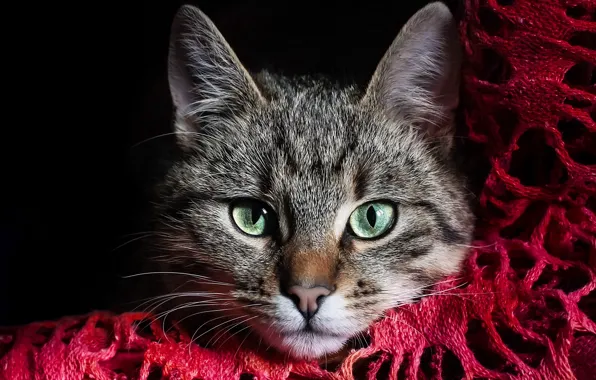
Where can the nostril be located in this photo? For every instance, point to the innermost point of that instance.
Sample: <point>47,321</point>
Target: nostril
<point>295,299</point>
<point>320,299</point>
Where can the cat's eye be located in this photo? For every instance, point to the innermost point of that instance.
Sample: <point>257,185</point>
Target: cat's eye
<point>253,217</point>
<point>372,220</point>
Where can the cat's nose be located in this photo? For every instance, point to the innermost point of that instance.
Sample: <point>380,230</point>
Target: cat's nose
<point>307,300</point>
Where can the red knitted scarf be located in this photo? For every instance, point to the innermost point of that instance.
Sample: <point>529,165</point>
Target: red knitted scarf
<point>528,310</point>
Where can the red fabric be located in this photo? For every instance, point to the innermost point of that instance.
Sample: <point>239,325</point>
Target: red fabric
<point>528,310</point>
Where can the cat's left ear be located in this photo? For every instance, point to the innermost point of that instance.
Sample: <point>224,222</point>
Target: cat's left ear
<point>207,82</point>
<point>417,81</point>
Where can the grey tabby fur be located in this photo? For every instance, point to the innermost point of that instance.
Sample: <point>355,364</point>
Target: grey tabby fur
<point>313,152</point>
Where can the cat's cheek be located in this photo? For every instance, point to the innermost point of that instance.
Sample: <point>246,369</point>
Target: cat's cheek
<point>442,261</point>
<point>398,289</point>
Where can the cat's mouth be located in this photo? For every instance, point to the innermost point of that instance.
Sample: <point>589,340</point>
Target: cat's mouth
<point>306,343</point>
<point>325,333</point>
<point>309,329</point>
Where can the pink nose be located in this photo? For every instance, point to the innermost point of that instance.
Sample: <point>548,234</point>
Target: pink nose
<point>308,299</point>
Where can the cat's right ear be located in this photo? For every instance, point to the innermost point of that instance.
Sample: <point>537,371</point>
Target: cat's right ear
<point>208,84</point>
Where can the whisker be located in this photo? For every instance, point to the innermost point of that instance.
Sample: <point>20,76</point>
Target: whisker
<point>215,327</point>
<point>258,346</point>
<point>172,296</point>
<point>137,233</point>
<point>148,299</point>
<point>444,292</point>
<point>131,241</point>
<point>230,329</point>
<point>202,302</point>
<point>207,311</point>
<point>464,294</point>
<point>198,276</point>
<point>161,135</point>
<point>361,339</point>
<point>152,318</point>
<point>241,343</point>
<point>409,325</point>
<point>221,333</point>
<point>411,291</point>
<point>193,339</point>
<point>165,314</point>
<point>476,246</point>
<point>194,314</point>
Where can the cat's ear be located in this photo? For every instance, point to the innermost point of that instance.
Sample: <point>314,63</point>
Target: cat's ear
<point>417,80</point>
<point>207,81</point>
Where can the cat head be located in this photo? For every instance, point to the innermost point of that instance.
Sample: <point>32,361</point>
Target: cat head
<point>312,209</point>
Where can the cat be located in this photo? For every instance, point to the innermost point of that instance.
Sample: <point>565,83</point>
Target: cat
<point>302,210</point>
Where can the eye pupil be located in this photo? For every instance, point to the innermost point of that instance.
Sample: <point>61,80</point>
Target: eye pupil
<point>256,213</point>
<point>371,216</point>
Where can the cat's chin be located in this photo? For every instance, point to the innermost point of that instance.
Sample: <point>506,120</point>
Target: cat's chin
<point>306,345</point>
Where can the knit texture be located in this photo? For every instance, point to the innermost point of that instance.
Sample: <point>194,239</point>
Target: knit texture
<point>527,307</point>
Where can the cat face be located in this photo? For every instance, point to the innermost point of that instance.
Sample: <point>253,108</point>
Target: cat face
<point>312,209</point>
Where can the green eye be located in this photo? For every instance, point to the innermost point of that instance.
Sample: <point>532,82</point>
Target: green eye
<point>372,220</point>
<point>252,217</point>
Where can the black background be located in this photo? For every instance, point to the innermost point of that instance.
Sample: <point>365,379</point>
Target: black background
<point>86,83</point>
